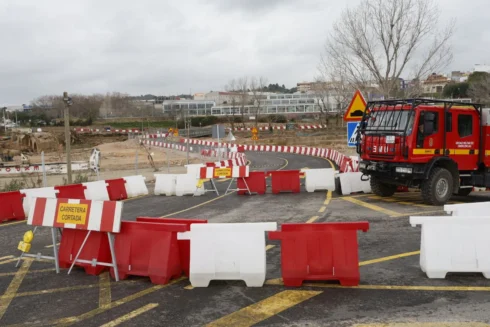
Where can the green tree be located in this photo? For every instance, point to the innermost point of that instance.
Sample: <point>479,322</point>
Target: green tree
<point>478,77</point>
<point>456,90</point>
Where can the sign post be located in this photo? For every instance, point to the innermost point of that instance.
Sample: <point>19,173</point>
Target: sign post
<point>353,116</point>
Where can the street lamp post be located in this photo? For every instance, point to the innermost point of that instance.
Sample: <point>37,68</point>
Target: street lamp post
<point>188,126</point>
<point>68,102</point>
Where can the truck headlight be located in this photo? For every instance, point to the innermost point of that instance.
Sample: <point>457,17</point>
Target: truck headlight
<point>403,170</point>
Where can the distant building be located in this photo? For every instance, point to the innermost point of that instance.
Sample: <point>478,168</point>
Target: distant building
<point>435,83</point>
<point>459,77</point>
<point>199,96</point>
<point>222,97</point>
<point>481,68</point>
<point>283,104</point>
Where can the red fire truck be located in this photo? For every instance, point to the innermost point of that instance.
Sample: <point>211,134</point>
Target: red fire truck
<point>441,147</point>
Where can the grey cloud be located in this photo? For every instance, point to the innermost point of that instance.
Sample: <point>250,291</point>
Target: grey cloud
<point>169,47</point>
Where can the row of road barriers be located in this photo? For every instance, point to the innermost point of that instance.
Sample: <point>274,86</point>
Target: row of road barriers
<point>167,248</point>
<point>455,244</point>
<point>16,205</point>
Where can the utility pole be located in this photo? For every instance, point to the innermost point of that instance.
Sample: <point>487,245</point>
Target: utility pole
<point>68,103</point>
<point>188,122</point>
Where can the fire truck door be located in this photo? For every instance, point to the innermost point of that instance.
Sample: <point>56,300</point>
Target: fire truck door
<point>429,133</point>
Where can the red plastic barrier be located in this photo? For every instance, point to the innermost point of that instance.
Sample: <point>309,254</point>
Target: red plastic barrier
<point>184,245</point>
<point>321,251</point>
<point>256,183</point>
<point>116,189</point>
<point>96,247</point>
<point>285,180</point>
<point>11,206</point>
<point>240,148</point>
<point>402,188</point>
<point>74,191</point>
<point>148,249</point>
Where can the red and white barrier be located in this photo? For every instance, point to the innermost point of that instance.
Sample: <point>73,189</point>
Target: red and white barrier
<point>226,172</point>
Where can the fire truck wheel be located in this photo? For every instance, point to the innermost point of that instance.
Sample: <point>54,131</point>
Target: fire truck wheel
<point>464,191</point>
<point>438,188</point>
<point>381,189</point>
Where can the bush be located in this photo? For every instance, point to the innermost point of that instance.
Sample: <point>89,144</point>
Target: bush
<point>263,119</point>
<point>202,121</point>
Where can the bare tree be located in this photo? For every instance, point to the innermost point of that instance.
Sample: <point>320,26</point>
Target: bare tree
<point>479,91</point>
<point>256,88</point>
<point>379,40</point>
<point>234,100</point>
<point>241,88</point>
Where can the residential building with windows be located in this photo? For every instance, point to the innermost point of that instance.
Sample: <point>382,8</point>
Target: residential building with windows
<point>435,83</point>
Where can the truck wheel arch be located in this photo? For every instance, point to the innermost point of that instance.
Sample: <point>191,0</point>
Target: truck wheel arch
<point>443,162</point>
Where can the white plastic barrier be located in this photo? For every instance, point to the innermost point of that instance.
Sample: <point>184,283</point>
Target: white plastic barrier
<point>135,186</point>
<point>165,184</point>
<point>187,184</point>
<point>194,169</point>
<point>474,209</point>
<point>96,191</point>
<point>43,192</point>
<point>319,179</point>
<point>351,183</point>
<point>228,252</point>
<point>454,244</point>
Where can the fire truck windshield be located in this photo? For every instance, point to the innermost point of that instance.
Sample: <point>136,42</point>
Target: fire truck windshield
<point>389,121</point>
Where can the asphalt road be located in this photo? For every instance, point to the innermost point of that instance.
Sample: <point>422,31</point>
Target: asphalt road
<point>393,289</point>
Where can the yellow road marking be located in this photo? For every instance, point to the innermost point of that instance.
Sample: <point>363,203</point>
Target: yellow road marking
<point>8,261</point>
<point>329,197</point>
<point>426,324</point>
<point>7,257</point>
<point>312,219</point>
<point>268,247</point>
<point>14,223</point>
<point>30,272</point>
<point>322,209</point>
<point>417,213</point>
<point>14,285</point>
<point>264,309</point>
<point>391,257</point>
<point>279,282</point>
<point>75,319</point>
<point>189,287</point>
<point>50,246</point>
<point>285,165</point>
<point>105,296</point>
<point>136,197</point>
<point>131,315</point>
<point>198,205</point>
<point>372,206</point>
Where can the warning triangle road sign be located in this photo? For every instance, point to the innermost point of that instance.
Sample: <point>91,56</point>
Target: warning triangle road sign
<point>356,108</point>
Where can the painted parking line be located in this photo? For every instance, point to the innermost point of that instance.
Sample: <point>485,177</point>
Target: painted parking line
<point>105,297</point>
<point>425,324</point>
<point>131,315</point>
<point>264,309</point>
<point>14,223</point>
<point>371,206</point>
<point>279,282</point>
<point>13,287</point>
<point>392,257</point>
<point>90,314</point>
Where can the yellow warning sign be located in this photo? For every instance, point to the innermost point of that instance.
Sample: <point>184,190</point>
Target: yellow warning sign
<point>71,213</point>
<point>200,183</point>
<point>356,108</point>
<point>254,130</point>
<point>255,137</point>
<point>176,132</point>
<point>222,172</point>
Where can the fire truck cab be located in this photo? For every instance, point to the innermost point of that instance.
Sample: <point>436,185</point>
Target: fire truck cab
<point>441,147</point>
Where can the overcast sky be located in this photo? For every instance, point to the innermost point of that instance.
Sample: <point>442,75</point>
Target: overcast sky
<point>171,47</point>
